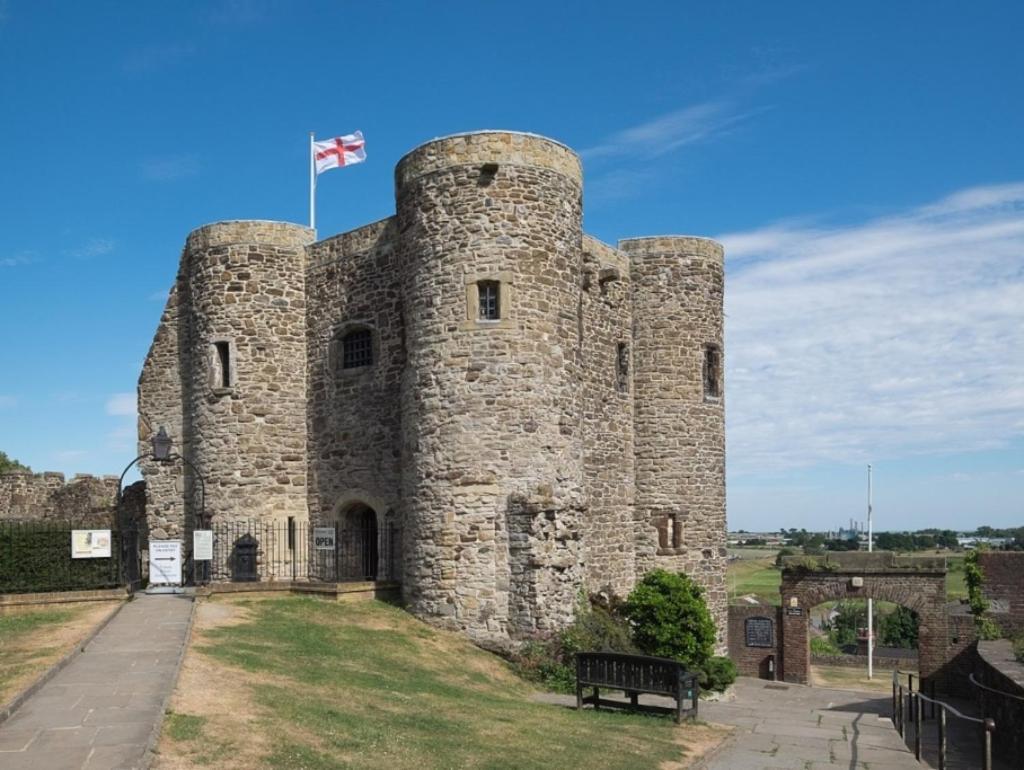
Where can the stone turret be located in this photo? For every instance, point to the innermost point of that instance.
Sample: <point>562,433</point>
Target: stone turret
<point>490,235</point>
<point>246,391</point>
<point>678,355</point>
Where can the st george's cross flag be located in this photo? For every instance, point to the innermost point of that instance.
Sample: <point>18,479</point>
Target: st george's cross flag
<point>338,152</point>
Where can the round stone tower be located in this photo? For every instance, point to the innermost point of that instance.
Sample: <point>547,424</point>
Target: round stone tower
<point>490,231</point>
<point>244,367</point>
<point>678,355</point>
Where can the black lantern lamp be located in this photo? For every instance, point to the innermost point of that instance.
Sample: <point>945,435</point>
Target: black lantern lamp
<point>161,445</point>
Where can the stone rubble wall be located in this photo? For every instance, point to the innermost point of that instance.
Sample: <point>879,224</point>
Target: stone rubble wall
<point>607,312</point>
<point>354,423</point>
<point>45,496</point>
<point>678,285</point>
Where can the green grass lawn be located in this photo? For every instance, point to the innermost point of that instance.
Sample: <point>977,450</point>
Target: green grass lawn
<point>367,685</point>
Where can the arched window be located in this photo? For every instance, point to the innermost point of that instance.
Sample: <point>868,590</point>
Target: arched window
<point>357,349</point>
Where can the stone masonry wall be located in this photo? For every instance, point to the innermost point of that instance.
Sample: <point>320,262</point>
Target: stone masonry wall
<point>353,281</point>
<point>45,496</point>
<point>246,285</point>
<point>677,287</point>
<point>607,318</point>
<point>160,404</point>
<point>491,410</point>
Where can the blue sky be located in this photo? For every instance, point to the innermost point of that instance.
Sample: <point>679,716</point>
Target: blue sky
<point>863,166</point>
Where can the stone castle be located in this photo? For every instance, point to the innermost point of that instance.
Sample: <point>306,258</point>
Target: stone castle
<point>536,412</point>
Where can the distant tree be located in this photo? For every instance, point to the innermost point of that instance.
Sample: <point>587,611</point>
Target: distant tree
<point>947,539</point>
<point>899,628</point>
<point>10,464</point>
<point>783,552</point>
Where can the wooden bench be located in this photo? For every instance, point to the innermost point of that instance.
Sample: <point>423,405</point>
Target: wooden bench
<point>635,674</point>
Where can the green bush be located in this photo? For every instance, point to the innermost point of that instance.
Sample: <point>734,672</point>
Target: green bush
<point>716,674</point>
<point>36,556</point>
<point>670,619</point>
<point>899,628</point>
<point>1018,648</point>
<point>551,661</point>
<point>823,645</point>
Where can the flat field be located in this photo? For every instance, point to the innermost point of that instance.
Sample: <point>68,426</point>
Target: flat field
<point>754,572</point>
<point>302,683</point>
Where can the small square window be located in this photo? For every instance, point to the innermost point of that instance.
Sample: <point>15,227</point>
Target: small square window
<point>490,300</point>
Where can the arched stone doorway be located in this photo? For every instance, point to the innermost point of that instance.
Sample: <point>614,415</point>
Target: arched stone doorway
<point>358,543</point>
<point>915,582</point>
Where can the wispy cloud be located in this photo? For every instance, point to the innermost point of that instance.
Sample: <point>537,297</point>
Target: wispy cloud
<point>122,405</point>
<point>8,402</point>
<point>900,335</point>
<point>689,125</point>
<point>156,57</point>
<point>121,439</point>
<point>170,168</point>
<point>21,258</point>
<point>94,247</point>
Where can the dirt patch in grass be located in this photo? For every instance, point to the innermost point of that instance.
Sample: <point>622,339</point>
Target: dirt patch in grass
<point>696,741</point>
<point>34,638</point>
<point>300,683</point>
<point>850,678</point>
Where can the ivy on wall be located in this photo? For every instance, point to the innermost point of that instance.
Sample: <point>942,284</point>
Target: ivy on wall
<point>974,576</point>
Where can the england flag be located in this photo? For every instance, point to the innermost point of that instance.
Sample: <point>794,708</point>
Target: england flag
<point>338,152</point>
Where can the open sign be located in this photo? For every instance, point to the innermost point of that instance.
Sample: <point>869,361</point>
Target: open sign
<point>323,538</point>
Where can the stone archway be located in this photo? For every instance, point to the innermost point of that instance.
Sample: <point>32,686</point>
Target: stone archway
<point>915,582</point>
<point>358,543</point>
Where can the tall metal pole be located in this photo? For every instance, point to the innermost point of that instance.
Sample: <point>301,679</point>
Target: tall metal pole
<point>871,619</point>
<point>312,184</point>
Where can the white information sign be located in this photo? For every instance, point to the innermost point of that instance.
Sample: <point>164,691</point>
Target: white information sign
<point>90,544</point>
<point>202,545</point>
<point>323,538</point>
<point>165,562</point>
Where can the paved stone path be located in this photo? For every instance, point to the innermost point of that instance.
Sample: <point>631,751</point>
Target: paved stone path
<point>100,711</point>
<point>790,727</point>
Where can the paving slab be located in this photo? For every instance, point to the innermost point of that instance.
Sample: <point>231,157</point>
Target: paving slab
<point>99,712</point>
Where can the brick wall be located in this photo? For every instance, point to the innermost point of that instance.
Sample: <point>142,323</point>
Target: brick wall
<point>1003,586</point>
<point>754,661</point>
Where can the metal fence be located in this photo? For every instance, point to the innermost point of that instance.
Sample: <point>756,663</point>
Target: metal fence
<point>36,556</point>
<point>249,551</point>
<point>910,712</point>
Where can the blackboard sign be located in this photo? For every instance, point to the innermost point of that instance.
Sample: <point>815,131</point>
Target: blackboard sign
<point>797,611</point>
<point>760,632</point>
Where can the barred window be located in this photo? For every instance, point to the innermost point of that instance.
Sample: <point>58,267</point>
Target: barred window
<point>356,349</point>
<point>490,303</point>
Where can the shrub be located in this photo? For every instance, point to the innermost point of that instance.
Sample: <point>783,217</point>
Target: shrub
<point>823,645</point>
<point>899,628</point>
<point>716,674</point>
<point>670,619</point>
<point>1018,648</point>
<point>550,661</point>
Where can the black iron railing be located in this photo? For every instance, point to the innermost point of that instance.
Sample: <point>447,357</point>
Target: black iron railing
<point>908,708</point>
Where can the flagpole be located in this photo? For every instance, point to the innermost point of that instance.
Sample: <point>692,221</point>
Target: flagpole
<point>312,184</point>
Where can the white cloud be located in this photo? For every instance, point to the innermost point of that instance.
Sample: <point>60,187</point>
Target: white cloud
<point>669,132</point>
<point>122,405</point>
<point>7,402</point>
<point>22,258</point>
<point>170,168</point>
<point>94,247</point>
<point>901,335</point>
